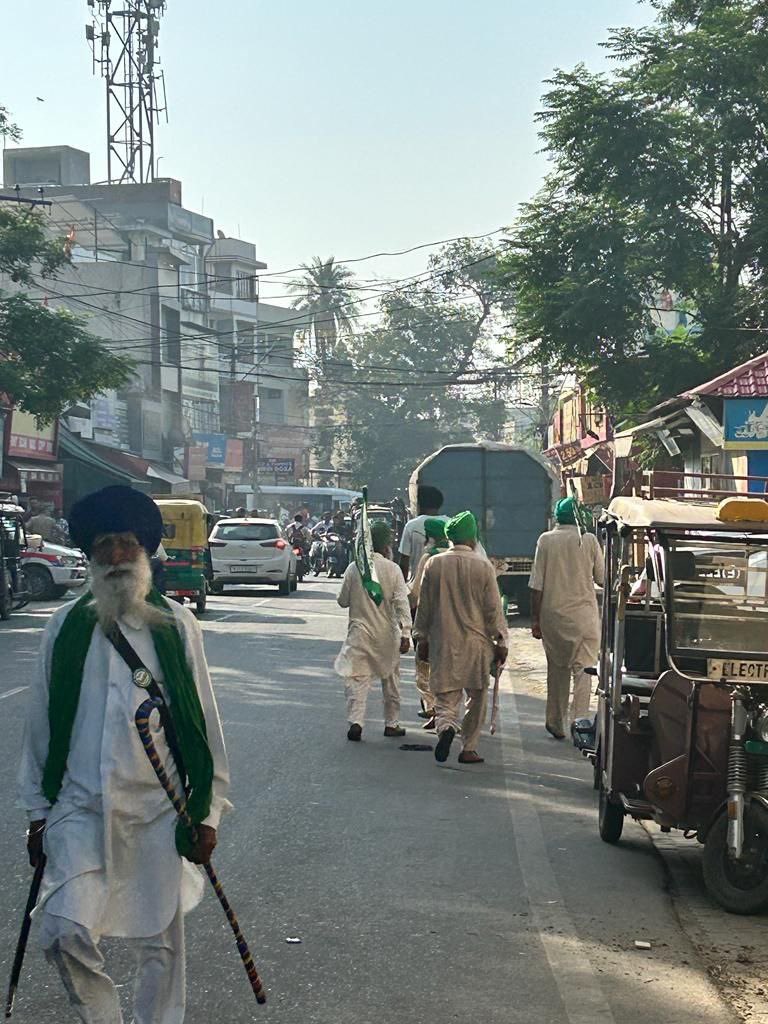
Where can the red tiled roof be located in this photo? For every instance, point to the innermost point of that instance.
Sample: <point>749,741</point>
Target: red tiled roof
<point>750,380</point>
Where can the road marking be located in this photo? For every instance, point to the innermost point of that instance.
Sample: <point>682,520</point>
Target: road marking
<point>573,973</point>
<point>12,693</point>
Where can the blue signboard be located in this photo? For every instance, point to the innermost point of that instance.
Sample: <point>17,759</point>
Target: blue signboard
<point>216,444</point>
<point>745,423</point>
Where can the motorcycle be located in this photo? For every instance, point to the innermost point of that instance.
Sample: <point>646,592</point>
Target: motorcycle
<point>317,556</point>
<point>302,561</point>
<point>338,555</point>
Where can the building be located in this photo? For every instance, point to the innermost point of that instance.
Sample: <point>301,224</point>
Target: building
<point>580,445</point>
<point>155,284</point>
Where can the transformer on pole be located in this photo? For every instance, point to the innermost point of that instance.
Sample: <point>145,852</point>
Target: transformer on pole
<point>124,44</point>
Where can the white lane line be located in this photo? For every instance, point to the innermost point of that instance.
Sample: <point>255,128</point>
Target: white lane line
<point>573,973</point>
<point>12,693</point>
<point>251,605</point>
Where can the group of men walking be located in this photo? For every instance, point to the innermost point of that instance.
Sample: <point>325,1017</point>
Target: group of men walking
<point>453,613</point>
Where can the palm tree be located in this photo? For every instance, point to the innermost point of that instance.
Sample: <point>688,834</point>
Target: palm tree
<point>326,296</point>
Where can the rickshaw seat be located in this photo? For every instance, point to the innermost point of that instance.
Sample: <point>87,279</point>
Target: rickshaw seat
<point>637,685</point>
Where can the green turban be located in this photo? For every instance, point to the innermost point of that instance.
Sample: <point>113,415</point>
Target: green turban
<point>462,529</point>
<point>565,512</point>
<point>381,535</point>
<point>434,529</point>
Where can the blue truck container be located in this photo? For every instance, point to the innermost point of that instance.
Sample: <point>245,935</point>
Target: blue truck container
<point>510,489</point>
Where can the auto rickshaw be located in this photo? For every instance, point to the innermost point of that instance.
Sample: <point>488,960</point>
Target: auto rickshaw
<point>682,727</point>
<point>13,587</point>
<point>185,539</point>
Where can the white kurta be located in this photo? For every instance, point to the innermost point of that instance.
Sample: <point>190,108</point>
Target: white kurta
<point>461,615</point>
<point>372,647</point>
<point>566,568</point>
<point>112,864</point>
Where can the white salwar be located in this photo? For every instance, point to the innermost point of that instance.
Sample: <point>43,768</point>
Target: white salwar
<point>566,568</point>
<point>372,647</point>
<point>112,867</point>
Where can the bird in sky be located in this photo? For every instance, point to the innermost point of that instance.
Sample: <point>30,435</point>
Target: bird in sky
<point>39,99</point>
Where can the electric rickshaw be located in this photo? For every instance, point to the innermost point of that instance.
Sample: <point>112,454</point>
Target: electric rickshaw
<point>187,572</point>
<point>13,586</point>
<point>682,727</point>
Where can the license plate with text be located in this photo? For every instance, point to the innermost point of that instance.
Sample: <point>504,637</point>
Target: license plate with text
<point>738,668</point>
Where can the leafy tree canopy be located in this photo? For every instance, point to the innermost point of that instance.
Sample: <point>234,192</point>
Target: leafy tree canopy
<point>48,359</point>
<point>400,383</point>
<point>659,184</point>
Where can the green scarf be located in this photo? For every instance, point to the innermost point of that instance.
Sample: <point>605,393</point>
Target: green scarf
<point>68,663</point>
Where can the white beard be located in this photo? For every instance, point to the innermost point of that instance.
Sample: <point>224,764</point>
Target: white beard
<point>120,590</point>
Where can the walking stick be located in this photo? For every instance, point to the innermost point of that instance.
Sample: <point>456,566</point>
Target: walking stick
<point>21,945</point>
<point>141,718</point>
<point>495,707</point>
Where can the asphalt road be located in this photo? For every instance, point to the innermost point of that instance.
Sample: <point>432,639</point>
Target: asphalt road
<point>421,894</point>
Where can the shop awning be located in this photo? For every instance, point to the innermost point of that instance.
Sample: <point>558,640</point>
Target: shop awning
<point>48,472</point>
<point>178,483</point>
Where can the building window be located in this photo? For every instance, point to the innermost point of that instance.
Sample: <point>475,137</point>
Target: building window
<point>244,285</point>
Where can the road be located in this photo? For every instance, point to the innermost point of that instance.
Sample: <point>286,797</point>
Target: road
<point>420,893</point>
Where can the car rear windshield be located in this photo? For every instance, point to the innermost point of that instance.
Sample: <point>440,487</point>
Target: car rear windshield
<point>246,531</point>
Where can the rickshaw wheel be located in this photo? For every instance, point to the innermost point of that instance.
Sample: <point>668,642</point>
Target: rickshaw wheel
<point>740,887</point>
<point>5,595</point>
<point>610,818</point>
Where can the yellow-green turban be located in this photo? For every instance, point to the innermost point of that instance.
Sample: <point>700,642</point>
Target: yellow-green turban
<point>462,529</point>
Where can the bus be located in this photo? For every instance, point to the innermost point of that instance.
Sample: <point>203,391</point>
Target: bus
<point>292,498</point>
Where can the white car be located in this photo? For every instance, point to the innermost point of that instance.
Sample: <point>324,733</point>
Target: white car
<point>51,570</point>
<point>252,551</point>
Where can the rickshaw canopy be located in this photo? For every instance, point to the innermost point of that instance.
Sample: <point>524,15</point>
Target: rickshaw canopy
<point>186,523</point>
<point>667,513</point>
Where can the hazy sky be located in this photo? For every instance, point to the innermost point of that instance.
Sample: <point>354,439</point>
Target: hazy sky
<point>321,127</point>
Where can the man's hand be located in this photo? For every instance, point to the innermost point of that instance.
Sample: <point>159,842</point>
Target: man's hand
<point>204,845</point>
<point>405,645</point>
<point>500,654</point>
<point>422,649</point>
<point>536,630</point>
<point>35,841</point>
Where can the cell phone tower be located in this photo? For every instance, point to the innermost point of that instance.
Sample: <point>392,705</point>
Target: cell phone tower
<point>124,40</point>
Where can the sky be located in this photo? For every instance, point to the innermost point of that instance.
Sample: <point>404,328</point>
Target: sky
<point>341,127</point>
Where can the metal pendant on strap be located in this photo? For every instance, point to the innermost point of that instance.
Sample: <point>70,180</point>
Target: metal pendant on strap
<point>142,678</point>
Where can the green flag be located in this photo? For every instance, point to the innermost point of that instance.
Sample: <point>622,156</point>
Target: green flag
<point>364,554</point>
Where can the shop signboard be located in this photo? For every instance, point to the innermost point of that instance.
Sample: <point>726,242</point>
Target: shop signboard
<point>282,467</point>
<point>234,457</point>
<point>216,445</point>
<point>195,462</point>
<point>28,441</point>
<point>745,423</point>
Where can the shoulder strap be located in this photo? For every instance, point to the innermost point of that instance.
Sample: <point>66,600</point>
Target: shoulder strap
<point>123,647</point>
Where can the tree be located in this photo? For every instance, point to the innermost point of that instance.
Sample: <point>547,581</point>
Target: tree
<point>659,184</point>
<point>423,377</point>
<point>48,360</point>
<point>326,295</point>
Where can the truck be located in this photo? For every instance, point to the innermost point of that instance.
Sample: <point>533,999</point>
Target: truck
<point>510,489</point>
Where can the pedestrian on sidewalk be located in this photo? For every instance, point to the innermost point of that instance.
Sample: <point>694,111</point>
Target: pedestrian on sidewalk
<point>114,852</point>
<point>434,530</point>
<point>461,630</point>
<point>376,637</point>
<point>564,613</point>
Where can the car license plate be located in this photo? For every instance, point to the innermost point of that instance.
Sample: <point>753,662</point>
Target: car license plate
<point>244,568</point>
<point>738,668</point>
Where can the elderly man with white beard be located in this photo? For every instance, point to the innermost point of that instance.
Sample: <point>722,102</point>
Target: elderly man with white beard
<point>117,862</point>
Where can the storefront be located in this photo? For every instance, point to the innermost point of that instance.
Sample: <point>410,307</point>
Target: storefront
<point>29,467</point>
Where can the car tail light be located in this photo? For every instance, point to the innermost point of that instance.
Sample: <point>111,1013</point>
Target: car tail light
<point>280,544</point>
<point>298,552</point>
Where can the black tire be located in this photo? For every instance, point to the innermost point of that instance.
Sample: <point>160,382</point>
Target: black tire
<point>6,602</point>
<point>57,590</point>
<point>284,588</point>
<point>610,818</point>
<point>200,603</point>
<point>740,887</point>
<point>295,584</point>
<point>217,588</point>
<point>39,583</point>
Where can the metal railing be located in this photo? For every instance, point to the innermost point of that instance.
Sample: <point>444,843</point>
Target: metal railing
<point>663,483</point>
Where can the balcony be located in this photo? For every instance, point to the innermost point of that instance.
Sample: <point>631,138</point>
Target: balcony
<point>194,301</point>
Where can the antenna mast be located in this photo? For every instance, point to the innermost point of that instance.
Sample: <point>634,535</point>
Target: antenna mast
<point>124,45</point>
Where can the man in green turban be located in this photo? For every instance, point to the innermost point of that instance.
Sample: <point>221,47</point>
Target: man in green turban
<point>436,541</point>
<point>461,631</point>
<point>377,634</point>
<point>564,614</point>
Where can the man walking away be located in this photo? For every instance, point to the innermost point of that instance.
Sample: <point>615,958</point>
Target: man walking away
<point>461,630</point>
<point>434,530</point>
<point>564,613</point>
<point>97,811</point>
<point>376,637</point>
<point>429,501</point>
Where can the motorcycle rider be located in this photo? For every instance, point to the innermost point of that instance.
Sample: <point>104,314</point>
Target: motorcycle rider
<point>323,526</point>
<point>298,534</point>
